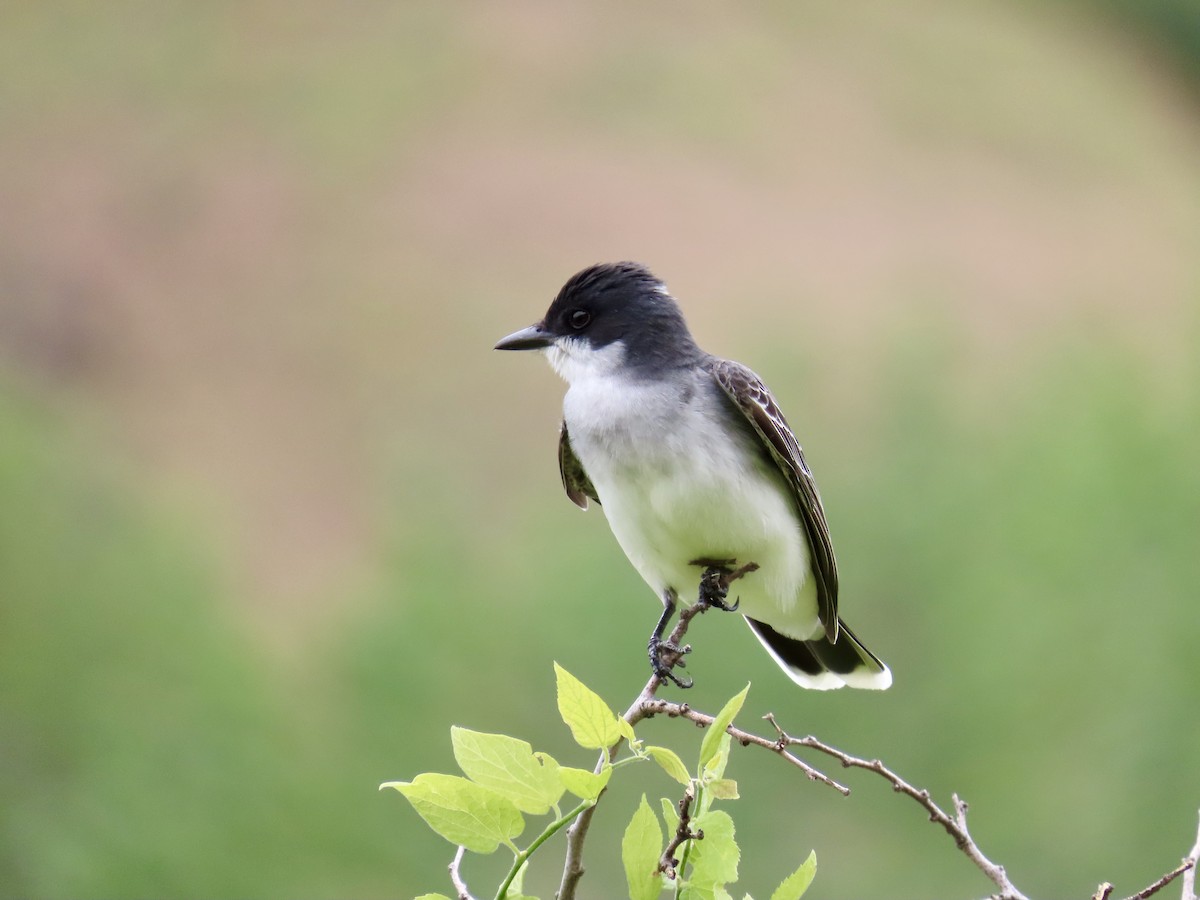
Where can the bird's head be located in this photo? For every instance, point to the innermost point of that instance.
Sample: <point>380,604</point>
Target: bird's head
<point>608,317</point>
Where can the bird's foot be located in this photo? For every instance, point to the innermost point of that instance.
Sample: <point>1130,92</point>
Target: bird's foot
<point>714,583</point>
<point>665,656</point>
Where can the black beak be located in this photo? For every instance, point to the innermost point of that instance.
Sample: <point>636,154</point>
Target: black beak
<point>535,337</point>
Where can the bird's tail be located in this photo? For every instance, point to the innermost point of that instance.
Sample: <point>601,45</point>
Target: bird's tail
<point>822,664</point>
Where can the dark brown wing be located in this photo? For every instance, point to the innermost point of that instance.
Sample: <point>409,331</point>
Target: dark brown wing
<point>755,402</point>
<point>575,480</point>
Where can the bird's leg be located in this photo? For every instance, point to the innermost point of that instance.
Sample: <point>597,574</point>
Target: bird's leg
<point>664,655</point>
<point>714,583</point>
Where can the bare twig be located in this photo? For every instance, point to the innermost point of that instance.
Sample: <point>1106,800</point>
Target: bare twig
<point>1189,877</point>
<point>1187,868</point>
<point>667,863</point>
<point>456,879</point>
<point>1159,883</point>
<point>654,707</point>
<point>955,826</point>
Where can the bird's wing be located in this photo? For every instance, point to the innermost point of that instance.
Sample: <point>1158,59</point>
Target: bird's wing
<point>575,480</point>
<point>754,401</point>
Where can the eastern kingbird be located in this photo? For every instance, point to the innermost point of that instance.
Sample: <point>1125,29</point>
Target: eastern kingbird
<point>692,462</point>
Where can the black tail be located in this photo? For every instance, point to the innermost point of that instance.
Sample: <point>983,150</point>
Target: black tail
<point>822,664</point>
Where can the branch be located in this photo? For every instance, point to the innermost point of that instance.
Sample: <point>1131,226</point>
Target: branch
<point>1187,869</point>
<point>955,826</point>
<point>1159,883</point>
<point>1189,877</point>
<point>654,707</point>
<point>456,878</point>
<point>667,863</point>
<point>577,833</point>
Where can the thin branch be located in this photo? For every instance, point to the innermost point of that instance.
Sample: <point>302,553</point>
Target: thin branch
<point>955,826</point>
<point>1189,877</point>
<point>1187,868</point>
<point>573,864</point>
<point>577,833</point>
<point>667,863</point>
<point>655,707</point>
<point>1159,883</point>
<point>456,879</point>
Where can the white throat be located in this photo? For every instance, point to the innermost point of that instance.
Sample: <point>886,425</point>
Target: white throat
<point>577,360</point>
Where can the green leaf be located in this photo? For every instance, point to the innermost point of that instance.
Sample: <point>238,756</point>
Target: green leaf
<point>704,892</point>
<point>584,784</point>
<point>794,886</point>
<point>723,789</point>
<point>626,730</point>
<point>640,849</point>
<point>550,764</point>
<point>670,815</point>
<point>670,762</point>
<point>593,725</point>
<point>433,897</point>
<point>509,767</point>
<point>714,859</point>
<point>461,811</point>
<point>714,769</point>
<point>712,738</point>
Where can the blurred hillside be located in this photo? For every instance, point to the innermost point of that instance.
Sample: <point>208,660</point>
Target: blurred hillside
<point>267,498</point>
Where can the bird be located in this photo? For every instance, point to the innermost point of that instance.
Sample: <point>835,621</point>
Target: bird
<point>694,465</point>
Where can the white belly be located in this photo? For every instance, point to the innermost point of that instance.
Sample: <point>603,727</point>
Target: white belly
<point>672,497</point>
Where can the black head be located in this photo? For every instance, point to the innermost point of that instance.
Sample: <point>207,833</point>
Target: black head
<point>609,303</point>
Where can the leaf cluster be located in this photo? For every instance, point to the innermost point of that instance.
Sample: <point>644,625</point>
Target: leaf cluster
<point>505,780</point>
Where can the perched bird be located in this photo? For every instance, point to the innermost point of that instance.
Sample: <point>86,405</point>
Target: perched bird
<point>694,465</point>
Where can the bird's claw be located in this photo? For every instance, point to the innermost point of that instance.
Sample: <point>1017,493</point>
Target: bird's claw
<point>714,588</point>
<point>665,656</point>
<point>714,583</point>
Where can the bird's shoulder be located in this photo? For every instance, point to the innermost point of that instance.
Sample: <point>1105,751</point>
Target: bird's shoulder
<point>754,399</point>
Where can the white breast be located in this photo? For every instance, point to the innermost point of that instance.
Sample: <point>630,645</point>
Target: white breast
<point>680,477</point>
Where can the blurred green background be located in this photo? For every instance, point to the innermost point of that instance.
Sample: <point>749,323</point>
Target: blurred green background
<point>273,516</point>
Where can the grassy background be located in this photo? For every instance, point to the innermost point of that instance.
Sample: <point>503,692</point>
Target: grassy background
<point>273,517</point>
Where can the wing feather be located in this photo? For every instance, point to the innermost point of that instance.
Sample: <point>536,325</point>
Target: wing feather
<point>754,401</point>
<point>575,480</point>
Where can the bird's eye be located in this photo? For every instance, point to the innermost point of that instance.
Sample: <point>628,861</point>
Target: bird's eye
<point>580,318</point>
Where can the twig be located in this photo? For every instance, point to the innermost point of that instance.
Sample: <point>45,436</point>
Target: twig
<point>1187,868</point>
<point>654,707</point>
<point>955,826</point>
<point>577,833</point>
<point>1189,877</point>
<point>667,863</point>
<point>456,879</point>
<point>1159,883</point>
